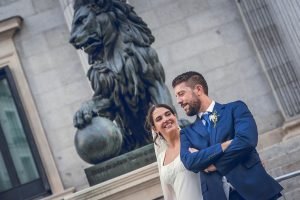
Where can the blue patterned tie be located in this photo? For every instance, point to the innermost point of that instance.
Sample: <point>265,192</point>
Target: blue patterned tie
<point>207,124</point>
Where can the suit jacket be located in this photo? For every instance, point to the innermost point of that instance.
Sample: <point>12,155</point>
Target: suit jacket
<point>240,162</point>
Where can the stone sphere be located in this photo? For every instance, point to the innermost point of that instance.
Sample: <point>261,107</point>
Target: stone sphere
<point>98,141</point>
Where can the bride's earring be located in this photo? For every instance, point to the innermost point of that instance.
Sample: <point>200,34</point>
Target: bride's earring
<point>179,129</point>
<point>160,136</point>
<point>154,133</point>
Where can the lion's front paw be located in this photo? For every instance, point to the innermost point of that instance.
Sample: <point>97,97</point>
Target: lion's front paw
<point>84,115</point>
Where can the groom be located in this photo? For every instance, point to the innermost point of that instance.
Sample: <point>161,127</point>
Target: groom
<point>221,143</point>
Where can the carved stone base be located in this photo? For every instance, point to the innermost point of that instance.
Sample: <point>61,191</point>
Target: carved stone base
<point>291,129</point>
<point>142,183</point>
<point>120,165</point>
<point>59,196</point>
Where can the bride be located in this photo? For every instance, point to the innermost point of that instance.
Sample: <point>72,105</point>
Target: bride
<point>177,182</point>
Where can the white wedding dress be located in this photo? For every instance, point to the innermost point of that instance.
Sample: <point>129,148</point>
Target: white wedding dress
<point>177,182</point>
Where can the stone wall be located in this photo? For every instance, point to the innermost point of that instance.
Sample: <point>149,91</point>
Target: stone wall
<point>208,36</point>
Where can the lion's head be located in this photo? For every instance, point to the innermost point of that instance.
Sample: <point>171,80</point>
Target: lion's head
<point>112,34</point>
<point>100,25</point>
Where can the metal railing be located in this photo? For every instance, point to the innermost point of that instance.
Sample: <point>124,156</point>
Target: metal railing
<point>287,176</point>
<point>279,179</point>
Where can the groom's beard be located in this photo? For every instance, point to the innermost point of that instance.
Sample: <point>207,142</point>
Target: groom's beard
<point>194,107</point>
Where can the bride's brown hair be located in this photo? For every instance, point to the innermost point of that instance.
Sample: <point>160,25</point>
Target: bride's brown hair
<point>150,121</point>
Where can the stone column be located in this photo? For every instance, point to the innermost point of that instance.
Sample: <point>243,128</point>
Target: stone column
<point>287,17</point>
<point>273,54</point>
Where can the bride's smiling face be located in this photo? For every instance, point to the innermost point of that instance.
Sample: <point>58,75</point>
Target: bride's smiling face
<point>164,121</point>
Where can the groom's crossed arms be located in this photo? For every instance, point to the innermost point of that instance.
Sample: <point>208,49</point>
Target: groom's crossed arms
<point>225,156</point>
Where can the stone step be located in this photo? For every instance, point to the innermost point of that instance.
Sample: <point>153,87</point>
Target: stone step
<point>290,186</point>
<point>280,149</point>
<point>283,158</point>
<point>288,163</point>
<point>292,195</point>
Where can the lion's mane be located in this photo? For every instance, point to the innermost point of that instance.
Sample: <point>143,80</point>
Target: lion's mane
<point>125,69</point>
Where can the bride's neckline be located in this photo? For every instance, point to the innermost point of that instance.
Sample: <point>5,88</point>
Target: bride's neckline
<point>163,160</point>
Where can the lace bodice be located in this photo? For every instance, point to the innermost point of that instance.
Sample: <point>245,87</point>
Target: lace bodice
<point>169,171</point>
<point>177,182</point>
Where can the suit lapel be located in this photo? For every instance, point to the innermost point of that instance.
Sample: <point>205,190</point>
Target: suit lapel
<point>218,109</point>
<point>199,128</point>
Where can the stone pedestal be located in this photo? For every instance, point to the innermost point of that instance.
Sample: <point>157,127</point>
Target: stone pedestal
<point>120,165</point>
<point>142,183</point>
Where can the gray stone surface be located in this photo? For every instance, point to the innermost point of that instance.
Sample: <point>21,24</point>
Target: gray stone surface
<point>7,2</point>
<point>226,55</point>
<point>42,5</point>
<point>33,45</point>
<point>11,8</point>
<point>151,19</point>
<point>212,17</point>
<point>293,195</point>
<point>192,7</point>
<point>154,3</point>
<point>170,33</point>
<point>40,23</point>
<point>214,28</point>
<point>267,116</point>
<point>71,167</point>
<point>63,96</point>
<point>141,6</point>
<point>216,44</point>
<point>168,13</point>
<point>57,36</point>
<point>195,45</point>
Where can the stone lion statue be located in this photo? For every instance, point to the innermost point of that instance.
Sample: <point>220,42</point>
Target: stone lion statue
<point>125,74</point>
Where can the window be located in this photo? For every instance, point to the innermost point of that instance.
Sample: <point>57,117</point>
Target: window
<point>21,173</point>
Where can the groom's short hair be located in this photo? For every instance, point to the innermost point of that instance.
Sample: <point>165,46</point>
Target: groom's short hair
<point>191,78</point>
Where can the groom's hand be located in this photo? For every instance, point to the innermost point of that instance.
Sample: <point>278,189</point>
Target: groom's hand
<point>210,168</point>
<point>192,150</point>
<point>225,145</point>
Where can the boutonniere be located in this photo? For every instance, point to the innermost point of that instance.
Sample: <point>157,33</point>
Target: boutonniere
<point>214,117</point>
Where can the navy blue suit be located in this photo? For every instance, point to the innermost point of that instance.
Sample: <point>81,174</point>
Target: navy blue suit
<point>240,162</point>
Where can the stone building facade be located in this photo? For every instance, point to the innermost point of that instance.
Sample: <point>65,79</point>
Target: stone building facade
<point>222,39</point>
